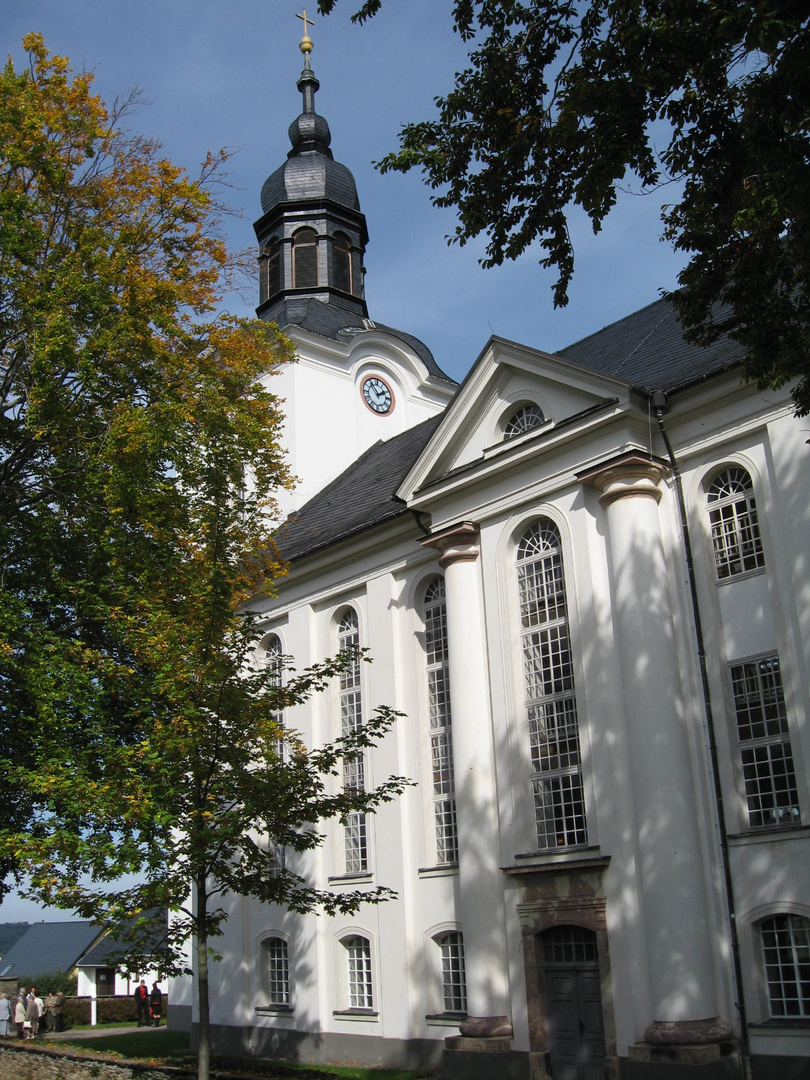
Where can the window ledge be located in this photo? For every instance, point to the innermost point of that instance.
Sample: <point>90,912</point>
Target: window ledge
<point>551,862</point>
<point>745,574</point>
<point>355,1014</point>
<point>443,870</point>
<point>769,833</point>
<point>445,1019</point>
<point>274,1010</point>
<point>340,879</point>
<point>785,1025</point>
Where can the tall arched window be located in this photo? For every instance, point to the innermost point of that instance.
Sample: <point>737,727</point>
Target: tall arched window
<point>786,952</point>
<point>342,262</point>
<point>274,268</point>
<point>305,259</point>
<point>441,740</point>
<point>351,719</point>
<point>548,674</point>
<point>734,525</point>
<point>274,662</point>
<point>275,971</point>
<point>358,970</point>
<point>454,982</point>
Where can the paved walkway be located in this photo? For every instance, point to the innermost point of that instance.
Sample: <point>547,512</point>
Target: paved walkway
<point>94,1032</point>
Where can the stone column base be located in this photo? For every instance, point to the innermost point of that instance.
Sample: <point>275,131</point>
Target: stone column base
<point>697,1054</point>
<point>500,1044</point>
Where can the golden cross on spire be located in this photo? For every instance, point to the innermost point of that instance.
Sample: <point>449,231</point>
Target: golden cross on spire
<point>306,40</point>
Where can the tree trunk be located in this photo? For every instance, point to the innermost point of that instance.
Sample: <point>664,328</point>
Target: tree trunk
<point>204,1046</point>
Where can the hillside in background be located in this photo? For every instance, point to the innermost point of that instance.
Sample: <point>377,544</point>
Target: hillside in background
<point>10,932</point>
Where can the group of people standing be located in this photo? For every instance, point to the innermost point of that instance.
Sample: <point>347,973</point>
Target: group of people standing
<point>30,1014</point>
<point>149,1004</point>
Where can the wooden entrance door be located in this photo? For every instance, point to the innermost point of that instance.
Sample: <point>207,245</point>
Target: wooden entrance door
<point>574,1003</point>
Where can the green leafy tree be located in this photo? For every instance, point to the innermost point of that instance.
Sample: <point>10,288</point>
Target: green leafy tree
<point>563,102</point>
<point>138,460</point>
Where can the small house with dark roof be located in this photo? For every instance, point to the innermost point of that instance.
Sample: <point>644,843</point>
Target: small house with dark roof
<point>583,579</point>
<point>104,970</point>
<point>50,947</point>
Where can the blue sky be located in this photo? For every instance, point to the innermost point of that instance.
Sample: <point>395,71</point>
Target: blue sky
<point>222,73</point>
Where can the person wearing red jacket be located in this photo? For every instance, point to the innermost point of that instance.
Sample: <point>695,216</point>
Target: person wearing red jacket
<point>141,996</point>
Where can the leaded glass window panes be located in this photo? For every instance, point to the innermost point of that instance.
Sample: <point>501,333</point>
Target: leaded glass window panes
<point>734,525</point>
<point>351,720</point>
<point>764,742</point>
<point>342,262</point>
<point>441,739</point>
<point>277,972</point>
<point>454,984</point>
<point>786,952</point>
<point>550,698</point>
<point>523,419</point>
<point>305,259</point>
<point>358,961</point>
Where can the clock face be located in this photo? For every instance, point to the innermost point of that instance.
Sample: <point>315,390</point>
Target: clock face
<point>377,395</point>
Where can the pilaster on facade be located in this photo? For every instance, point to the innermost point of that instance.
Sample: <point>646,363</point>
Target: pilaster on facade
<point>475,774</point>
<point>657,710</point>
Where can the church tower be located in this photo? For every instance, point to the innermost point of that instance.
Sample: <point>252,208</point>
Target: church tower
<point>356,382</point>
<point>312,235</point>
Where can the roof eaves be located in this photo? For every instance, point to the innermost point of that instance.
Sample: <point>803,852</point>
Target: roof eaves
<point>349,534</point>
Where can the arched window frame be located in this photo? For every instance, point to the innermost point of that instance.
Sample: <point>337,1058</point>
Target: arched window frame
<point>342,263</point>
<point>274,662</point>
<point>445,828</point>
<point>305,258</point>
<point>450,946</point>
<point>550,701</point>
<point>355,830</point>
<point>357,991</point>
<point>734,524</point>
<point>274,268</point>
<point>275,973</point>
<point>521,418</point>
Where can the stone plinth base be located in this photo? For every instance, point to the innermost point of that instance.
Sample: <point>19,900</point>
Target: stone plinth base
<point>716,1061</point>
<point>684,1048</point>
<point>689,1055</point>
<point>476,1065</point>
<point>499,1044</point>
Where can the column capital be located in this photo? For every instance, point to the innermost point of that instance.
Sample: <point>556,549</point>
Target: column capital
<point>631,475</point>
<point>457,543</point>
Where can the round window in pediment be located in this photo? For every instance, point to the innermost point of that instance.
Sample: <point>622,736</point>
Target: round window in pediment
<point>522,420</point>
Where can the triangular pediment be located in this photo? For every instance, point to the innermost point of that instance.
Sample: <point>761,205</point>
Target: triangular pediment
<point>505,379</point>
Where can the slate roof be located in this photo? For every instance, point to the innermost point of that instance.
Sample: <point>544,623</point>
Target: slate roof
<point>361,497</point>
<point>647,349</point>
<point>49,946</point>
<point>112,946</point>
<point>328,320</point>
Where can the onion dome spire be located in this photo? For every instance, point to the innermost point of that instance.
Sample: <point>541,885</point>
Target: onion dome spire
<point>312,233</point>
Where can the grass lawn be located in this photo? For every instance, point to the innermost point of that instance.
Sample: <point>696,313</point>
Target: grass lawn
<point>140,1044</point>
<point>171,1045</point>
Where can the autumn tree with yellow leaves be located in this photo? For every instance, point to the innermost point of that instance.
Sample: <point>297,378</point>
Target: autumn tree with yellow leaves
<point>139,456</point>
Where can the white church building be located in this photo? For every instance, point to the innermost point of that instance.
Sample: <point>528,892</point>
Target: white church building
<point>584,578</point>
